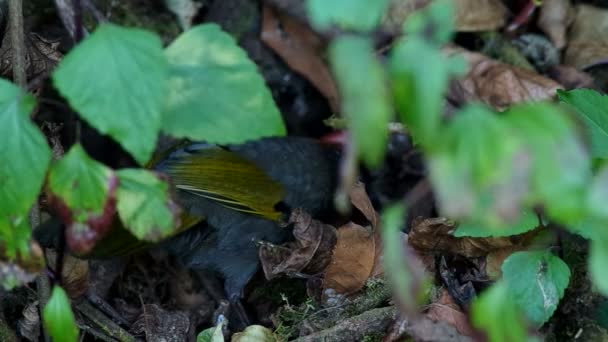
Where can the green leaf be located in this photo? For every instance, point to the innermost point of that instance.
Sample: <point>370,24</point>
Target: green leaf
<point>144,205</point>
<point>477,170</point>
<point>403,269</point>
<point>598,259</point>
<point>496,313</point>
<point>213,334</point>
<point>216,93</point>
<point>83,194</point>
<point>537,281</point>
<point>527,222</point>
<point>593,109</point>
<point>81,182</point>
<point>116,80</point>
<point>59,318</point>
<point>561,167</point>
<point>365,97</point>
<point>360,15</point>
<point>420,74</point>
<point>15,236</point>
<point>597,196</point>
<point>435,22</point>
<point>25,155</point>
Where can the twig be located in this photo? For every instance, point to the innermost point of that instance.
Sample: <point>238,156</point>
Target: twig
<point>15,12</point>
<point>107,325</point>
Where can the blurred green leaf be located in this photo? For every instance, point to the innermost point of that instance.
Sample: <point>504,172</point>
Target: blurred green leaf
<point>435,22</point>
<point>59,318</point>
<point>477,170</point>
<point>496,313</point>
<point>598,259</point>
<point>527,222</point>
<point>216,93</point>
<point>82,183</point>
<point>537,281</point>
<point>25,157</point>
<point>116,80</point>
<point>561,167</point>
<point>144,205</point>
<point>593,109</point>
<point>213,334</point>
<point>15,236</point>
<point>360,15</point>
<point>420,74</point>
<point>405,272</point>
<point>365,97</point>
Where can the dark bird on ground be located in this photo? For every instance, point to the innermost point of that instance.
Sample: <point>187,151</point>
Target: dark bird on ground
<point>242,192</point>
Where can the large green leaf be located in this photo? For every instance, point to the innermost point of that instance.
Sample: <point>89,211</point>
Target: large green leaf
<point>365,97</point>
<point>58,317</point>
<point>24,159</point>
<point>83,194</point>
<point>216,92</point>
<point>527,222</point>
<point>144,204</point>
<point>476,170</point>
<point>496,313</point>
<point>561,167</point>
<point>593,109</point>
<point>362,15</point>
<point>117,80</point>
<point>537,281</point>
<point>24,153</point>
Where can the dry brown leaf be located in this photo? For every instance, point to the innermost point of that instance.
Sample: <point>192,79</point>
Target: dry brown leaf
<point>588,41</point>
<point>471,15</point>
<point>479,15</point>
<point>357,256</point>
<point>352,261</point>
<point>446,310</point>
<point>301,49</point>
<point>555,16</point>
<point>310,253</point>
<point>75,274</point>
<point>435,235</point>
<point>500,85</point>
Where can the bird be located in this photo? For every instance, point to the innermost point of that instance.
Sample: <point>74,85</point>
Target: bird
<point>243,193</point>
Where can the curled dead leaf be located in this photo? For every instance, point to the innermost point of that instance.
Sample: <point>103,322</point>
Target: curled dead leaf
<point>310,253</point>
<point>436,235</point>
<point>497,84</point>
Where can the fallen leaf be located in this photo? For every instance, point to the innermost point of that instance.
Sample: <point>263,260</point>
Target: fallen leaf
<point>479,15</point>
<point>554,18</point>
<point>75,274</point>
<point>497,84</point>
<point>301,49</point>
<point>436,235</point>
<point>23,269</point>
<point>471,15</point>
<point>352,261</point>
<point>446,310</point>
<point>310,253</point>
<point>254,333</point>
<point>587,39</point>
